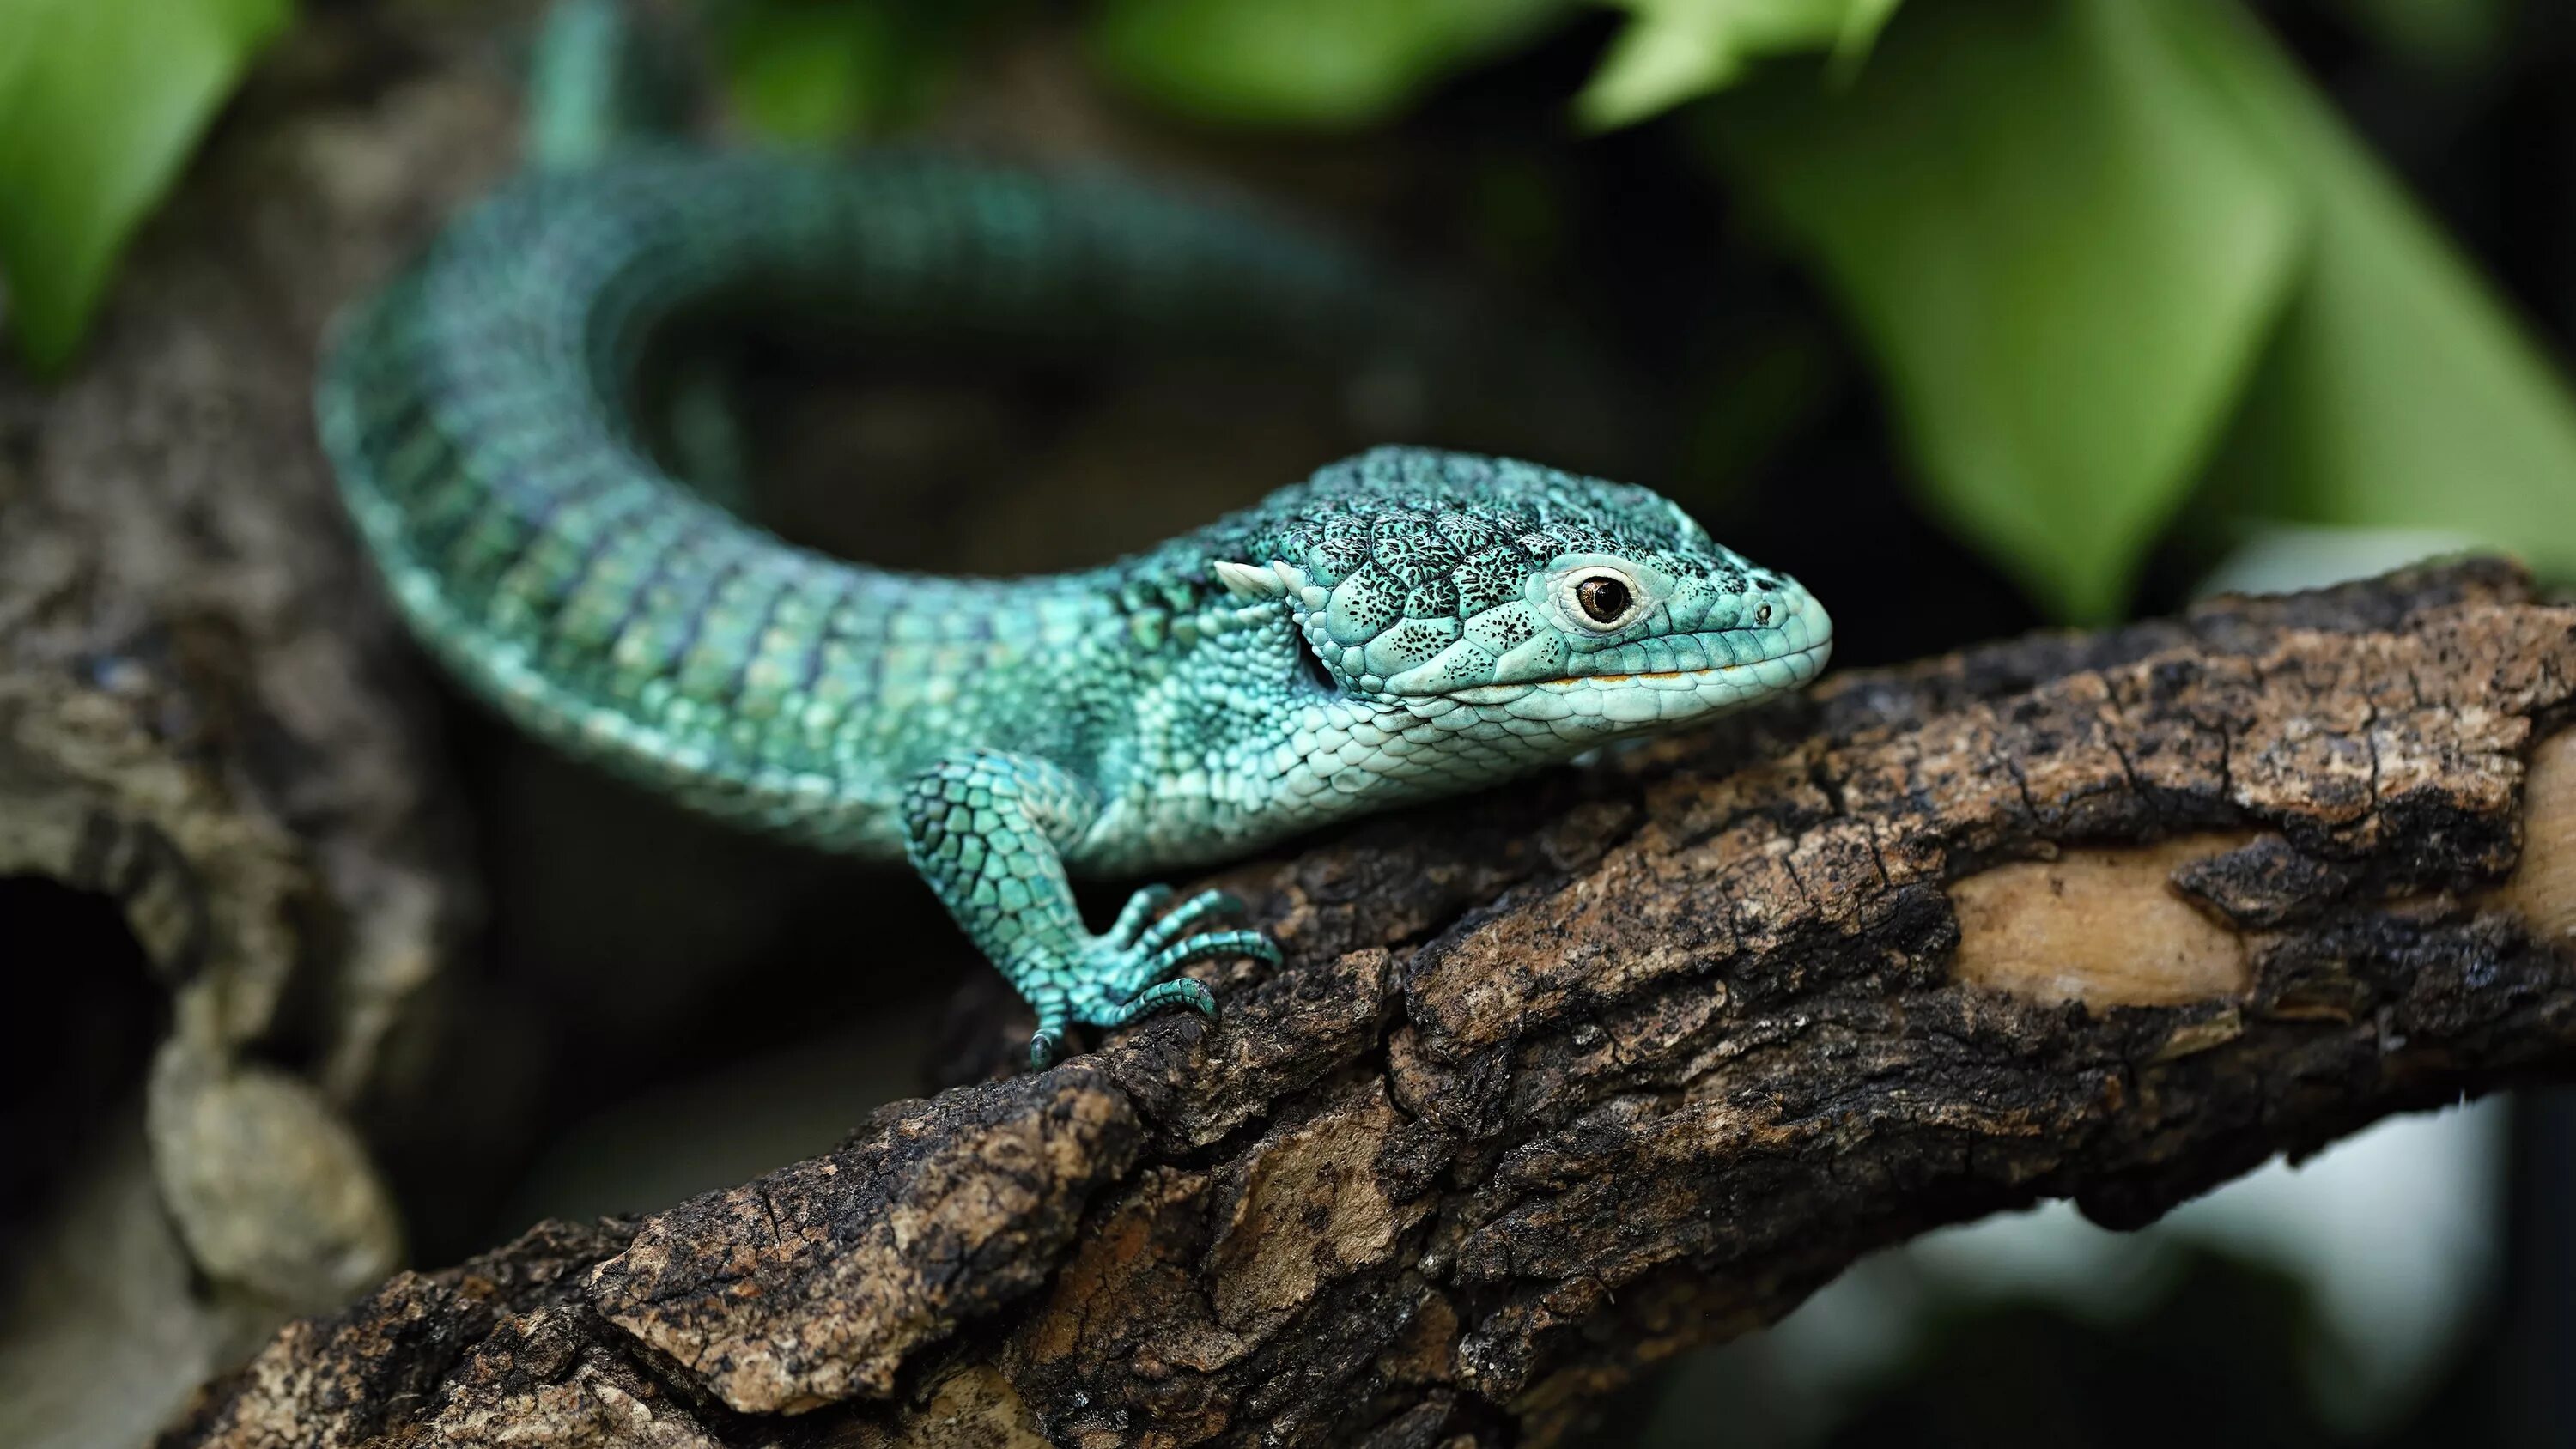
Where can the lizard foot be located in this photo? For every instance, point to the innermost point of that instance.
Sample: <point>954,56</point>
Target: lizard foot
<point>1125,971</point>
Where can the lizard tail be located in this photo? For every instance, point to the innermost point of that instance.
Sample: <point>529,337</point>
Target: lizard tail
<point>601,77</point>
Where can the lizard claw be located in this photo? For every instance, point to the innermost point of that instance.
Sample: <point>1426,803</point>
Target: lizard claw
<point>1133,970</point>
<point>1128,971</point>
<point>1052,1016</point>
<point>1189,993</point>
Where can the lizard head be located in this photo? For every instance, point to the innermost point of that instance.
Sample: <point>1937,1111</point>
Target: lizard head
<point>1540,612</point>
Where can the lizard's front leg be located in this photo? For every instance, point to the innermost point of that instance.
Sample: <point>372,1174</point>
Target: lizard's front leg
<point>989,830</point>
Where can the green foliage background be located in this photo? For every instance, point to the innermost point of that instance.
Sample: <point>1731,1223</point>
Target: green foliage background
<point>2119,269</point>
<point>100,103</point>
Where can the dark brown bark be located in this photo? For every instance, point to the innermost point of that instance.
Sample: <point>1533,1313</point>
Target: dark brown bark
<point>1559,1081</point>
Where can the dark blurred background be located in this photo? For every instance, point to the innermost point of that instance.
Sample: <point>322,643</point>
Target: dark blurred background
<point>1976,315</point>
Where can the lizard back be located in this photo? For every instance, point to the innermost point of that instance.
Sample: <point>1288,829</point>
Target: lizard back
<point>479,414</point>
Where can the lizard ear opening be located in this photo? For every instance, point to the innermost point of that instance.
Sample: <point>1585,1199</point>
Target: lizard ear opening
<point>1245,581</point>
<point>1312,664</point>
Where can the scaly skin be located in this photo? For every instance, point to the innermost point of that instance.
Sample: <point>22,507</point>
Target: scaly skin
<point>1400,625</point>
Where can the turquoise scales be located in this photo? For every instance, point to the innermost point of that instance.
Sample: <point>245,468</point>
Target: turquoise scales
<point>1400,625</point>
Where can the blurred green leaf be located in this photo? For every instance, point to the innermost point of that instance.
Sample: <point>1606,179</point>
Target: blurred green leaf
<point>1328,64</point>
<point>2048,227</point>
<point>2440,32</point>
<point>816,71</point>
<point>100,102</point>
<point>2399,393</point>
<point>1680,50</point>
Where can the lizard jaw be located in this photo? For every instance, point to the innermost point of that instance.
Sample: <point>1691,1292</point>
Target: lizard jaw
<point>1776,674</point>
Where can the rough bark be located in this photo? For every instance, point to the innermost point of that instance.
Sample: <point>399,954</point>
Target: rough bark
<point>1557,1082</point>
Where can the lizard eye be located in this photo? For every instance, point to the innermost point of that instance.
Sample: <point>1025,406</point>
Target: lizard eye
<point>1603,601</point>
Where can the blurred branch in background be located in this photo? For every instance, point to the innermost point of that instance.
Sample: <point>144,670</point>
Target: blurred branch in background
<point>2339,1300</point>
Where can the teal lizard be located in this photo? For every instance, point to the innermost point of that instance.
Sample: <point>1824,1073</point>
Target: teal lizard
<point>1401,625</point>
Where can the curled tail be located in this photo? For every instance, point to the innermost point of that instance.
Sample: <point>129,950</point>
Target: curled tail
<point>601,77</point>
<point>479,416</point>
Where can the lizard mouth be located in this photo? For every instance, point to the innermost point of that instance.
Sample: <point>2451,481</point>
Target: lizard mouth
<point>1779,671</point>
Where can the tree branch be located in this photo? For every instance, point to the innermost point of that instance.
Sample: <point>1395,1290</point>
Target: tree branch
<point>1559,1081</point>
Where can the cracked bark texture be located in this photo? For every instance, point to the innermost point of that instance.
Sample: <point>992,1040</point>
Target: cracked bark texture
<point>1557,1082</point>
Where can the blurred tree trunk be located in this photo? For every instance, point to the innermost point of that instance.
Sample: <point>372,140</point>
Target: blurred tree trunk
<point>1562,1080</point>
<point>229,864</point>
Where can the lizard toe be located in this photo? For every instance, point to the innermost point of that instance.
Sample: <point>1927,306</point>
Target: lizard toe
<point>1182,992</point>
